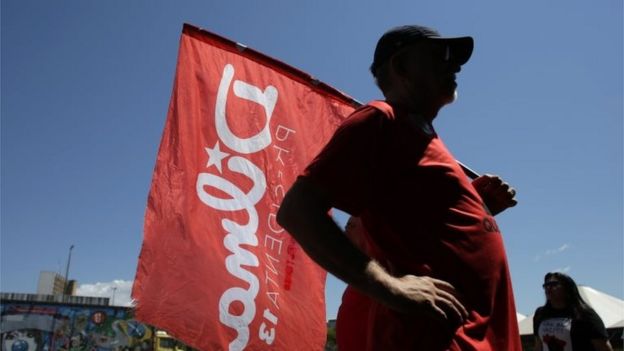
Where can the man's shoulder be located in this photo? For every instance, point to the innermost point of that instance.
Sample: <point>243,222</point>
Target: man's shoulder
<point>384,107</point>
<point>367,111</point>
<point>367,115</point>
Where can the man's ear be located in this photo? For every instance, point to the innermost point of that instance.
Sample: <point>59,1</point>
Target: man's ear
<point>397,64</point>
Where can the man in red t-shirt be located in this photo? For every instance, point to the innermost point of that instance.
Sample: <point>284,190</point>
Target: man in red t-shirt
<point>434,274</point>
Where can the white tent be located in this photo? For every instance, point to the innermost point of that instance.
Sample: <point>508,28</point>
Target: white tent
<point>520,317</point>
<point>609,308</point>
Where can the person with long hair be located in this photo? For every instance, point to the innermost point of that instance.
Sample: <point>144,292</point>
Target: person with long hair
<point>566,322</point>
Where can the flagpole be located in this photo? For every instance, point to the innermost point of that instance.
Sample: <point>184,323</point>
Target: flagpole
<point>66,283</point>
<point>469,172</point>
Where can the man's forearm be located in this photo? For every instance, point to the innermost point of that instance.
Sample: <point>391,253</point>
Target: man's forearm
<point>304,214</point>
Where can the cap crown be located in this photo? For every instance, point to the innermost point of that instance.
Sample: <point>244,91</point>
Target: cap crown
<point>397,38</point>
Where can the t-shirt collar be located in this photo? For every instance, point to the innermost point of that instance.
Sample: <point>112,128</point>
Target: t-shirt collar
<point>420,123</point>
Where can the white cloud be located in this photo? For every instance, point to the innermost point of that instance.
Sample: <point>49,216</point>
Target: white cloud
<point>120,288</point>
<point>562,248</point>
<point>551,252</point>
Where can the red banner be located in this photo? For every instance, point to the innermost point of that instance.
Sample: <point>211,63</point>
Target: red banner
<point>216,270</point>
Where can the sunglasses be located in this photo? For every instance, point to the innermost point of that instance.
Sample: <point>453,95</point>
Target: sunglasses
<point>551,284</point>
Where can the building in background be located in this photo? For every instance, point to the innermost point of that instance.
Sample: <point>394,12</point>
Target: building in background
<point>30,322</point>
<point>72,286</point>
<point>51,283</point>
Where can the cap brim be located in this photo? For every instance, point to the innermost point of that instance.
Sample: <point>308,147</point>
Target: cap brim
<point>461,48</point>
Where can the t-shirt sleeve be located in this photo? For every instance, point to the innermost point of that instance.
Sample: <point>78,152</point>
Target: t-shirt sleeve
<point>592,326</point>
<point>343,168</point>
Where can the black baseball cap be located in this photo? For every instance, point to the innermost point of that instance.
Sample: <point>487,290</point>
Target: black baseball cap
<point>400,37</point>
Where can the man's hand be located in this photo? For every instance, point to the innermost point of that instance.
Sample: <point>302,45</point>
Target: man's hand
<point>432,297</point>
<point>421,295</point>
<point>497,195</point>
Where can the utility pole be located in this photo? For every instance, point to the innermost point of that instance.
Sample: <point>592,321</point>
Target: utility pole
<point>114,290</point>
<point>66,285</point>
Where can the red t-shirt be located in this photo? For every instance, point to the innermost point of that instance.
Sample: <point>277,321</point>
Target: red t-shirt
<point>423,217</point>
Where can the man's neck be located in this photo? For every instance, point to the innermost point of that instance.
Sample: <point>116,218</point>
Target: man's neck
<point>412,107</point>
<point>420,123</point>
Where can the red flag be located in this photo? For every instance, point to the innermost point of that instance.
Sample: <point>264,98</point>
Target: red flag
<point>215,269</point>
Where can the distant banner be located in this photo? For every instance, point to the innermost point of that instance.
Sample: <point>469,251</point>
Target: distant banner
<point>215,269</point>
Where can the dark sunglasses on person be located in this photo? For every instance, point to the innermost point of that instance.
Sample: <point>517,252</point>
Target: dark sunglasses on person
<point>551,285</point>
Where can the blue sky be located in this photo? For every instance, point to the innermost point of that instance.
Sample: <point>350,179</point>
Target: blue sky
<point>86,85</point>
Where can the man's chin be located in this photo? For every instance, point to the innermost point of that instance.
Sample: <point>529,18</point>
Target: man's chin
<point>450,98</point>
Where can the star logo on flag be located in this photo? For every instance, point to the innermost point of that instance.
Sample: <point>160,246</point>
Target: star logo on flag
<point>215,156</point>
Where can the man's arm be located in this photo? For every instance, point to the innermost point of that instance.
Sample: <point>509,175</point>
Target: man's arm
<point>304,214</point>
